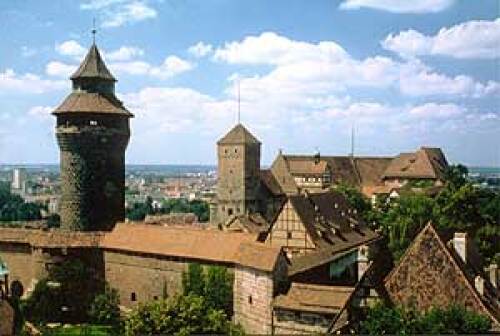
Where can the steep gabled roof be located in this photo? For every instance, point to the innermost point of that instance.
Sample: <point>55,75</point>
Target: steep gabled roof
<point>430,274</point>
<point>269,181</point>
<point>327,219</point>
<point>93,67</point>
<point>238,135</point>
<point>424,163</point>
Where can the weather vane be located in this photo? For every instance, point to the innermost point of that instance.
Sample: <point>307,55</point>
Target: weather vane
<point>94,30</point>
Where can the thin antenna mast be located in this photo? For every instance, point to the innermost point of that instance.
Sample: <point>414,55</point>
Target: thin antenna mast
<point>239,102</point>
<point>352,141</point>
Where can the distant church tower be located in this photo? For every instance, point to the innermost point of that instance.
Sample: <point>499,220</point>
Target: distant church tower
<point>238,156</point>
<point>92,132</point>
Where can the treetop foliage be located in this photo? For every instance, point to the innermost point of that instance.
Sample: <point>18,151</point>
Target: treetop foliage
<point>383,320</point>
<point>179,315</point>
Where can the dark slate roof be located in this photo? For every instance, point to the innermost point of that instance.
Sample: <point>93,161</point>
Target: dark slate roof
<point>269,181</point>
<point>85,102</point>
<point>93,66</point>
<point>370,169</point>
<point>238,135</point>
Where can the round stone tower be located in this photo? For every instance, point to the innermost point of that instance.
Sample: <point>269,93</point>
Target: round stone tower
<point>92,132</point>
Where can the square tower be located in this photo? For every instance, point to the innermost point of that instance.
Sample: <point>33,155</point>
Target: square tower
<point>238,156</point>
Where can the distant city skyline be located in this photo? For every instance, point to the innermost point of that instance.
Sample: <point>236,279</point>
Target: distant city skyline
<point>405,75</point>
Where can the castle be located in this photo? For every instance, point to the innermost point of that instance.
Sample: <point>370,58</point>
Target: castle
<point>303,260</point>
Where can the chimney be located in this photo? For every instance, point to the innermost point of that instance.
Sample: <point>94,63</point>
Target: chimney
<point>479,284</point>
<point>492,272</point>
<point>317,157</point>
<point>460,244</point>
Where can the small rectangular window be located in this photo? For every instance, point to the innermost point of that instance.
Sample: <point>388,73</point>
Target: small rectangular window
<point>133,297</point>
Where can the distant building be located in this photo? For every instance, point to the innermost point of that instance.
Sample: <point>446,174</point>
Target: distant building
<point>18,179</point>
<point>238,155</point>
<point>244,188</point>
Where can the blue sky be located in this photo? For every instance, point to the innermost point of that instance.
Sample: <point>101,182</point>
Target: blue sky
<point>404,73</point>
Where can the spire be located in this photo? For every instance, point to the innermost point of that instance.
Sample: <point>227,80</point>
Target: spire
<point>93,67</point>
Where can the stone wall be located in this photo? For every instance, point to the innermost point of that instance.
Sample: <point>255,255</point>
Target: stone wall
<point>28,254</point>
<point>92,174</point>
<point>144,277</point>
<point>19,260</point>
<point>253,294</point>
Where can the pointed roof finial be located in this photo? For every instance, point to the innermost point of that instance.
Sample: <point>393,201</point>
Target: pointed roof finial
<point>94,31</point>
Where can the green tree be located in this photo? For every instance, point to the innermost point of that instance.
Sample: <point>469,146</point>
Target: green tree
<point>358,201</point>
<point>65,295</point>
<point>456,175</point>
<point>219,289</point>
<point>180,315</point>
<point>406,216</point>
<point>200,209</point>
<point>193,281</point>
<point>104,309</point>
<point>454,319</point>
<point>44,304</point>
<point>14,208</point>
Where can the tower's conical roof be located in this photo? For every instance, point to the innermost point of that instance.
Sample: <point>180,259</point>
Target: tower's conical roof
<point>93,67</point>
<point>238,135</point>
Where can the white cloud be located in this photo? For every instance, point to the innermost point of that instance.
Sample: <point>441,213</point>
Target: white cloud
<point>124,53</point>
<point>163,109</point>
<point>13,83</point>
<point>200,49</point>
<point>472,39</point>
<point>71,48</point>
<point>434,110</point>
<point>171,66</point>
<point>42,112</point>
<point>271,48</point>
<point>59,69</point>
<point>305,70</point>
<point>418,80</point>
<point>361,110</point>
<point>116,13</point>
<point>100,4</point>
<point>399,6</point>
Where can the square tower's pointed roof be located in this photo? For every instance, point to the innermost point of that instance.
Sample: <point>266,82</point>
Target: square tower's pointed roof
<point>238,135</point>
<point>93,67</point>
